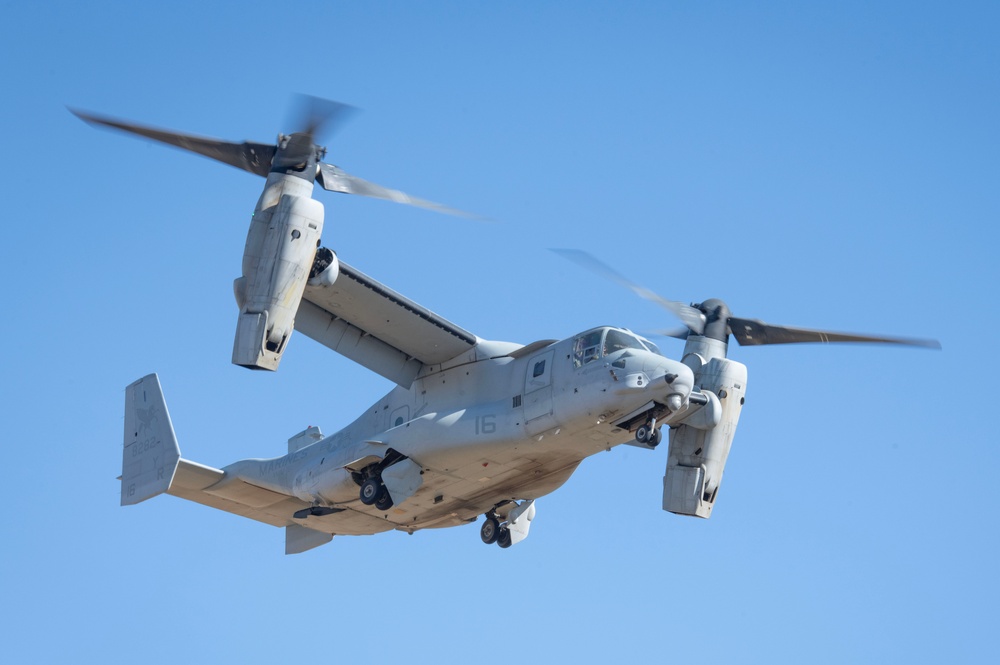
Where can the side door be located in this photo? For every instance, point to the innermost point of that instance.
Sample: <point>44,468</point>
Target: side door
<point>538,386</point>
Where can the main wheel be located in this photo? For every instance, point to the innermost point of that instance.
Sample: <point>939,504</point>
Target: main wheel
<point>503,540</point>
<point>370,490</point>
<point>654,441</point>
<point>490,531</point>
<point>384,500</point>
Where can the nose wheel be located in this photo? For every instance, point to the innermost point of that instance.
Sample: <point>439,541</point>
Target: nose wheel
<point>649,434</point>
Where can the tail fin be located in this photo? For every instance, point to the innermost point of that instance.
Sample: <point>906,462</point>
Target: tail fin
<point>151,454</point>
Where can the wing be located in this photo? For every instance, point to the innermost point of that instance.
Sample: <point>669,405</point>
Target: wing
<point>374,326</point>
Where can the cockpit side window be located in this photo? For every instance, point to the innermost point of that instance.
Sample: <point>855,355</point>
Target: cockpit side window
<point>652,347</point>
<point>587,348</point>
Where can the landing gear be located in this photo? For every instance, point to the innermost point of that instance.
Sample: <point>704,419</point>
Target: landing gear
<point>649,434</point>
<point>507,522</point>
<point>384,501</point>
<point>490,530</point>
<point>371,490</point>
<point>374,493</point>
<point>405,479</point>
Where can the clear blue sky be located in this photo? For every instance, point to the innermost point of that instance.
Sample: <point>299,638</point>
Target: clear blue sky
<point>830,165</point>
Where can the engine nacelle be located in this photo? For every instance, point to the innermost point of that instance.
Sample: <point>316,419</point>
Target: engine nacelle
<point>281,246</point>
<point>700,445</point>
<point>325,269</point>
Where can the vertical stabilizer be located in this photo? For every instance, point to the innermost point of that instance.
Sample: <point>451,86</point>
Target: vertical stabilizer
<point>151,454</point>
<point>299,539</point>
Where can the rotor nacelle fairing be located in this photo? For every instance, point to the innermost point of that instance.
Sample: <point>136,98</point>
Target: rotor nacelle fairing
<point>287,223</point>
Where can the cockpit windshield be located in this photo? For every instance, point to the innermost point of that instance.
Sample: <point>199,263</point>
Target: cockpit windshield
<point>595,344</point>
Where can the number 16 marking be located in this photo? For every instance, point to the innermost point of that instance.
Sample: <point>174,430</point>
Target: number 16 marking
<point>486,424</point>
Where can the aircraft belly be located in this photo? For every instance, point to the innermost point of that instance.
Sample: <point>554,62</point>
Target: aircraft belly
<point>479,500</point>
<point>451,498</point>
<point>462,477</point>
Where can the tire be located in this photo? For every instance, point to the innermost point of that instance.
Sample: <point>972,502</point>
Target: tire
<point>503,540</point>
<point>490,531</point>
<point>656,438</point>
<point>642,434</point>
<point>370,490</point>
<point>384,500</point>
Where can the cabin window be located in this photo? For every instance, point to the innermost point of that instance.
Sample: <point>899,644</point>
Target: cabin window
<point>539,369</point>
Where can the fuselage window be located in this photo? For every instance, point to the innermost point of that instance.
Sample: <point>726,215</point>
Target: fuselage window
<point>539,369</point>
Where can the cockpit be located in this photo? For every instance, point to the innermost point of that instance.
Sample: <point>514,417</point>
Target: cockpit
<point>602,342</point>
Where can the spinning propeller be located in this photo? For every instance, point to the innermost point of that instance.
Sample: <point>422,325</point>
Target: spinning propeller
<point>713,319</point>
<point>296,153</point>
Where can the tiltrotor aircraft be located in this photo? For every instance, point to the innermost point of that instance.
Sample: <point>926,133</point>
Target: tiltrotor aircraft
<point>473,427</point>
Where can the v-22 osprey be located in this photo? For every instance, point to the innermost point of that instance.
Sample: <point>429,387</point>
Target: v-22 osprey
<point>473,428</point>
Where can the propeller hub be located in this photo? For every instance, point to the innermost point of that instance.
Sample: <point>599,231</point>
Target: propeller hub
<point>297,155</point>
<point>716,319</point>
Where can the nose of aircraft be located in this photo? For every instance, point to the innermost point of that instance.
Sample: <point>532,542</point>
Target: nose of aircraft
<point>676,380</point>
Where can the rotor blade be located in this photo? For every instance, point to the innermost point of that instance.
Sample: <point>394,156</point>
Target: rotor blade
<point>315,116</point>
<point>335,179</point>
<point>253,157</point>
<point>689,316</point>
<point>676,333</point>
<point>751,332</point>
